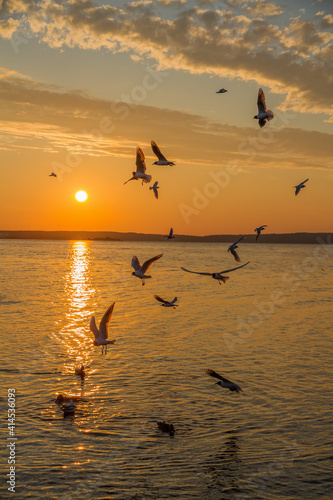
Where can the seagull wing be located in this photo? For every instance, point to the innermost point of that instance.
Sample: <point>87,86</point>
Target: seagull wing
<point>171,232</point>
<point>234,253</point>
<point>234,268</point>
<point>306,180</point>
<point>240,239</point>
<point>157,297</point>
<point>104,324</point>
<point>136,263</point>
<point>140,161</point>
<point>146,265</point>
<point>212,373</point>
<point>157,151</point>
<point>262,122</point>
<point>174,300</point>
<point>93,327</point>
<point>195,272</point>
<point>298,188</point>
<point>261,102</point>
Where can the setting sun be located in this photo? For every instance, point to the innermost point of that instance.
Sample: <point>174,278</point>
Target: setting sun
<point>81,196</point>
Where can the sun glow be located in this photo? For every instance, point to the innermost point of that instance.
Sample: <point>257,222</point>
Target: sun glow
<point>81,196</point>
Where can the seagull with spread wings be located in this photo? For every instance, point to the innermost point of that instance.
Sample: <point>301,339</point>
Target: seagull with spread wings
<point>101,334</point>
<point>258,230</point>
<point>52,174</point>
<point>155,187</point>
<point>161,158</point>
<point>140,168</point>
<point>221,91</point>
<point>140,271</point>
<point>224,382</point>
<point>166,303</point>
<point>232,248</point>
<point>300,186</point>
<point>170,235</point>
<point>217,276</point>
<point>264,114</point>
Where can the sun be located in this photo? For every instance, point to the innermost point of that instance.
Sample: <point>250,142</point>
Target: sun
<point>81,196</point>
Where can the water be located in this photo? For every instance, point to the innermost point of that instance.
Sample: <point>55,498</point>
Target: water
<point>269,329</point>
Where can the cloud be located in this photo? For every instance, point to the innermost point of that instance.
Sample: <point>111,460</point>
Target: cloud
<point>59,121</point>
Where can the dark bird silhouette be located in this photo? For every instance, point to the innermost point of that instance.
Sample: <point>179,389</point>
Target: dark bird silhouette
<point>224,382</point>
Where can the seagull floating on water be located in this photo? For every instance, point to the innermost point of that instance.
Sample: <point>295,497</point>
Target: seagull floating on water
<point>233,247</point>
<point>155,187</point>
<point>224,382</point>
<point>140,271</point>
<point>69,409</point>
<point>264,114</point>
<point>140,168</point>
<point>259,229</point>
<point>166,428</point>
<point>300,186</point>
<point>217,276</point>
<point>102,333</point>
<point>161,158</point>
<point>170,235</point>
<point>221,91</point>
<point>53,175</point>
<point>166,303</point>
<point>80,372</point>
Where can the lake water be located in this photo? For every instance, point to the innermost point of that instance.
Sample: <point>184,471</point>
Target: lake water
<point>268,329</point>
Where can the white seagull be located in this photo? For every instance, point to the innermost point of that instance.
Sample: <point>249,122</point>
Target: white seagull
<point>221,91</point>
<point>300,186</point>
<point>259,229</point>
<point>101,334</point>
<point>161,158</point>
<point>233,247</point>
<point>155,187</point>
<point>140,271</point>
<point>264,114</point>
<point>170,235</point>
<point>217,276</point>
<point>140,168</point>
<point>166,303</point>
<point>69,409</point>
<point>224,382</point>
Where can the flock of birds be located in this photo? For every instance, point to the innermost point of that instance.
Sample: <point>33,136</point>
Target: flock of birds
<point>101,333</point>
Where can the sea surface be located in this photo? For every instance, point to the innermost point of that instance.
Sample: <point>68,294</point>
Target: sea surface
<point>268,329</point>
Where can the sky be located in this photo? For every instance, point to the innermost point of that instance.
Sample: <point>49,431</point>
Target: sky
<point>83,83</point>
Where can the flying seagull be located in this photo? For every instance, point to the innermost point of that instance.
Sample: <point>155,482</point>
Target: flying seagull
<point>217,276</point>
<point>166,303</point>
<point>259,229</point>
<point>170,235</point>
<point>161,158</point>
<point>221,91</point>
<point>300,186</point>
<point>155,187</point>
<point>140,271</point>
<point>102,333</point>
<point>53,175</point>
<point>140,168</point>
<point>233,247</point>
<point>264,114</point>
<point>224,382</point>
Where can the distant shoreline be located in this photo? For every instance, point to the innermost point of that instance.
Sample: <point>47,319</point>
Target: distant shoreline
<point>298,238</point>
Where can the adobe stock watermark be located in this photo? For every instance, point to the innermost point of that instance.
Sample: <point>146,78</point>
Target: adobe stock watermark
<point>293,278</point>
<point>120,110</point>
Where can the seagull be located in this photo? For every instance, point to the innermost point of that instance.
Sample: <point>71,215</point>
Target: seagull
<point>224,382</point>
<point>166,303</point>
<point>80,372</point>
<point>166,427</point>
<point>264,114</point>
<point>259,229</point>
<point>161,158</point>
<point>140,168</point>
<point>69,409</point>
<point>155,188</point>
<point>170,235</point>
<point>221,91</point>
<point>233,247</point>
<point>300,186</point>
<point>141,270</point>
<point>53,175</point>
<point>102,333</point>
<point>217,276</point>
